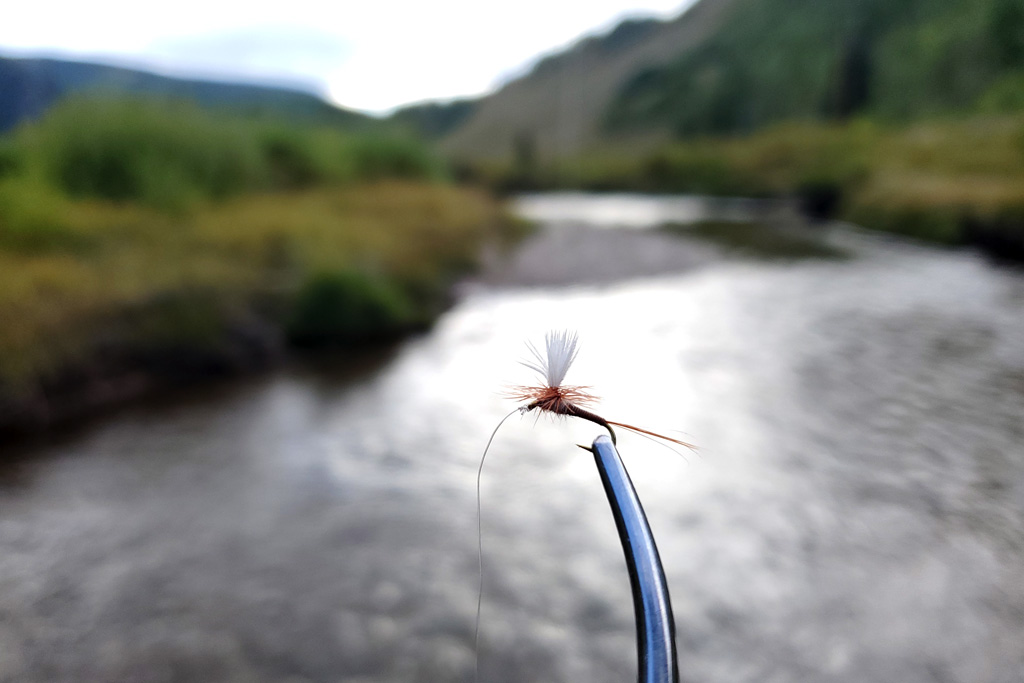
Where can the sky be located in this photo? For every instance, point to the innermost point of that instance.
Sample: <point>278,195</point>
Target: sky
<point>367,55</point>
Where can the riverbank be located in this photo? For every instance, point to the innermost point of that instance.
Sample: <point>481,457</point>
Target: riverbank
<point>124,300</point>
<point>951,182</point>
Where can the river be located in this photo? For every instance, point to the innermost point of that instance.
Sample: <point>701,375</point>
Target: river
<point>855,511</point>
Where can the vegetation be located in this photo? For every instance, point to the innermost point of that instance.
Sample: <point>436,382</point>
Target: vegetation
<point>775,60</point>
<point>173,155</point>
<point>951,181</point>
<point>350,305</point>
<point>123,288</point>
<point>760,240</point>
<point>159,238</point>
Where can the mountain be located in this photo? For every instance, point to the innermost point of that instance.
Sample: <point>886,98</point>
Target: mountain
<point>28,87</point>
<point>727,67</point>
<point>775,60</point>
<point>559,107</point>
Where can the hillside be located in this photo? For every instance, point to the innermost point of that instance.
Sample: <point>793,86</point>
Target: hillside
<point>776,60</point>
<point>558,108</point>
<point>729,67</point>
<point>434,120</point>
<point>28,87</point>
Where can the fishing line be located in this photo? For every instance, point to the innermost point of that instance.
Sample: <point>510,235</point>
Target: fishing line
<point>480,548</point>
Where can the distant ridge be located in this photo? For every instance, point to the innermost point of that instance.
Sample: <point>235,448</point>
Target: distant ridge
<point>28,87</point>
<point>558,108</point>
<point>433,120</point>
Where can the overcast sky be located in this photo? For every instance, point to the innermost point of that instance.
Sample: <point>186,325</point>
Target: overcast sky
<point>369,55</point>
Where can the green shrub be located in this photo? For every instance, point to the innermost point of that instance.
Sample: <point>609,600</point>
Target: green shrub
<point>390,157</point>
<point>346,306</point>
<point>302,158</point>
<point>165,154</point>
<point>171,155</point>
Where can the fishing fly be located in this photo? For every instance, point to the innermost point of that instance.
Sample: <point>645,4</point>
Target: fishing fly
<point>554,397</point>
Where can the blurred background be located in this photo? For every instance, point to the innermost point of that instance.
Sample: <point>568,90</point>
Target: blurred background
<point>266,274</point>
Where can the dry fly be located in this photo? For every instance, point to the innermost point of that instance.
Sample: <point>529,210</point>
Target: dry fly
<point>552,397</point>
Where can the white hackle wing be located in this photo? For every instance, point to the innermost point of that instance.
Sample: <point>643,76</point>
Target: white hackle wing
<point>561,352</point>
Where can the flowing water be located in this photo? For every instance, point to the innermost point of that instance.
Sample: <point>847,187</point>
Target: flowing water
<point>855,513</point>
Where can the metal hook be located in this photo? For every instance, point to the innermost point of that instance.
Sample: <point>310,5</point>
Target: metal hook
<point>655,627</point>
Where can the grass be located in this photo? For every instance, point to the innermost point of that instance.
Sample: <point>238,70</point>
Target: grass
<point>174,156</point>
<point>178,278</point>
<point>946,181</point>
<point>135,230</point>
<point>759,240</point>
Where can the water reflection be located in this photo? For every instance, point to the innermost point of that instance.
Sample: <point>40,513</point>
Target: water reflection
<point>856,512</point>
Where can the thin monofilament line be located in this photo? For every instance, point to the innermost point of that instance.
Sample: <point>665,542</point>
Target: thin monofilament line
<point>480,549</point>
